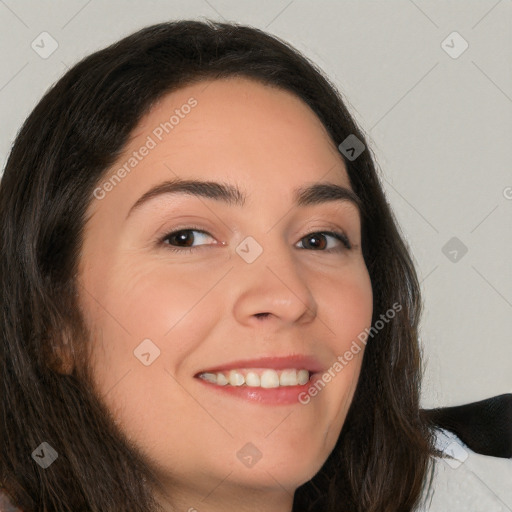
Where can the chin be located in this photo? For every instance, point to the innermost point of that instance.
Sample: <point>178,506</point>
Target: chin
<point>284,472</point>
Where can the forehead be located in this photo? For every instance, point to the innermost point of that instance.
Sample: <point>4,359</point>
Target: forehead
<point>236,130</point>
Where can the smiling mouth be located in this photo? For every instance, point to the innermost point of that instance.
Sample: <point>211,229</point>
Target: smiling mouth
<point>258,377</point>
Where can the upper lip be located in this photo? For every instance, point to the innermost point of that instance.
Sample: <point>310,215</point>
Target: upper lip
<point>298,361</point>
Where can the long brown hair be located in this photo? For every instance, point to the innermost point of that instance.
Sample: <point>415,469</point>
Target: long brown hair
<point>382,459</point>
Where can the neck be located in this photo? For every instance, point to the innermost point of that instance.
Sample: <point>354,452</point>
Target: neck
<point>226,496</point>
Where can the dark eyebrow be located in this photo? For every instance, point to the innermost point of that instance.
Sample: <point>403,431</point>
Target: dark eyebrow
<point>317,193</point>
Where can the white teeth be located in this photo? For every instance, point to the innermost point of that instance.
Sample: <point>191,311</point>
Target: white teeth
<point>235,378</point>
<point>210,377</point>
<point>267,378</point>
<point>288,378</point>
<point>221,379</point>
<point>252,379</point>
<point>302,377</point>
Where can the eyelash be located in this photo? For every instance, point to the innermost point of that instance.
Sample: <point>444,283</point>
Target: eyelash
<point>338,235</point>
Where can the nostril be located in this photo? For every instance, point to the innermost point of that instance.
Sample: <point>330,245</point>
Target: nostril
<point>260,315</point>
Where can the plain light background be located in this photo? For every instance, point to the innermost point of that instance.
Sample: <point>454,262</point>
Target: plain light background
<point>438,120</point>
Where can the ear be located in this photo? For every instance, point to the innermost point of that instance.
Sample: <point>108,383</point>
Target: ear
<point>62,358</point>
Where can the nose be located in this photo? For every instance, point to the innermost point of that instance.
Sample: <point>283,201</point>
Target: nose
<point>271,288</point>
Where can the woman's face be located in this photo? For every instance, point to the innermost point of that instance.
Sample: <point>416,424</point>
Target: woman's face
<point>243,279</point>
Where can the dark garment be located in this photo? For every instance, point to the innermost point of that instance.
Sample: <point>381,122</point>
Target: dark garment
<point>485,426</point>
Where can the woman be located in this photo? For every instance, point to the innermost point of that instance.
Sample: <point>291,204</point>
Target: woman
<point>272,365</point>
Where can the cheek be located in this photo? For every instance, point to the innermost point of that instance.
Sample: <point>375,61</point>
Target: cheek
<point>155,298</point>
<point>131,304</point>
<point>143,301</point>
<point>348,304</point>
<point>348,310</point>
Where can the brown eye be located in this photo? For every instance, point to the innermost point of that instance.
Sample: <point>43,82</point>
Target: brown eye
<point>317,241</point>
<point>184,239</point>
<point>181,237</point>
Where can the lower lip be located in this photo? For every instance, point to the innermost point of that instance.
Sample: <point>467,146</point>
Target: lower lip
<point>284,395</point>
